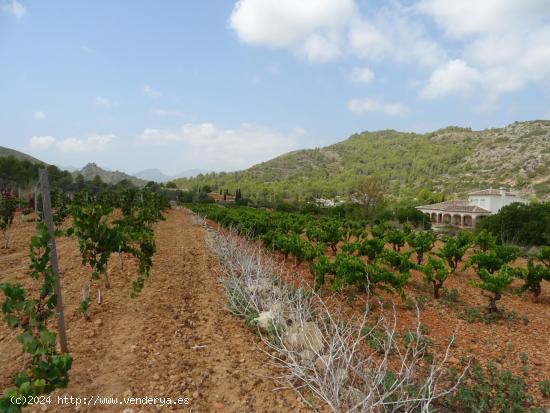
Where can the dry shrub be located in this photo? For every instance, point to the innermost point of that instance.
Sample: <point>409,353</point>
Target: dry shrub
<point>352,365</point>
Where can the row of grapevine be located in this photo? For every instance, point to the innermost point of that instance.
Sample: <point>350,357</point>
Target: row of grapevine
<point>48,368</point>
<point>346,252</point>
<point>101,230</point>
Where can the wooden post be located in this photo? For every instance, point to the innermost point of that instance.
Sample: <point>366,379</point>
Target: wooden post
<point>48,219</point>
<point>35,191</point>
<point>19,203</point>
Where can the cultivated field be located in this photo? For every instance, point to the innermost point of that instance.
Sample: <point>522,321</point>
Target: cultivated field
<point>175,340</point>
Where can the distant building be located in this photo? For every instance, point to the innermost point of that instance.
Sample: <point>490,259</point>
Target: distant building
<point>323,202</point>
<point>219,198</point>
<point>466,213</point>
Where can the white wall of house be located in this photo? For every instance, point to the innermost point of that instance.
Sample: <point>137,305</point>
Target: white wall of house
<point>494,203</point>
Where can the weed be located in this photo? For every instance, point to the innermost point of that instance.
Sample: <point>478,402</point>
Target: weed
<point>487,390</point>
<point>375,339</point>
<point>471,315</point>
<point>544,387</point>
<point>451,296</point>
<point>523,357</point>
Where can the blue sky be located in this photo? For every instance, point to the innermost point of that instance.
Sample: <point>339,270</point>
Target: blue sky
<point>222,85</point>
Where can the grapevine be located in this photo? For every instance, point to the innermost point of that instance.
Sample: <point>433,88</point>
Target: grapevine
<point>48,369</point>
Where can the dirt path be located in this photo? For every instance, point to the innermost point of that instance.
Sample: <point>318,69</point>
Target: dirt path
<point>175,340</point>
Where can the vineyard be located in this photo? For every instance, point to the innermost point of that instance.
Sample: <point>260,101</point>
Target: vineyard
<point>100,233</point>
<point>273,206</point>
<point>467,280</point>
<point>138,285</point>
<point>352,255</point>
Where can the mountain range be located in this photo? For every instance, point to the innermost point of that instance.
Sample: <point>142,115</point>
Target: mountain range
<point>90,171</point>
<point>157,175</point>
<point>452,160</point>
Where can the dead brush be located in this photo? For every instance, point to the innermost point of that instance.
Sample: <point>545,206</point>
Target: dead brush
<point>249,280</point>
<point>322,354</point>
<point>348,376</point>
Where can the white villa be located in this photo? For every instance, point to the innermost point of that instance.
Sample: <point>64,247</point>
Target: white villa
<point>466,213</point>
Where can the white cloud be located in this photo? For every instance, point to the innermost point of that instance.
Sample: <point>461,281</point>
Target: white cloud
<point>322,30</point>
<point>42,142</point>
<point>369,105</point>
<point>164,113</point>
<point>150,92</point>
<point>362,75</point>
<point>311,28</point>
<point>455,77</point>
<point>14,7</point>
<point>488,47</point>
<point>224,148</point>
<point>504,43</point>
<point>472,17</point>
<point>39,115</point>
<point>393,34</point>
<point>106,102</point>
<point>95,143</point>
<point>320,48</point>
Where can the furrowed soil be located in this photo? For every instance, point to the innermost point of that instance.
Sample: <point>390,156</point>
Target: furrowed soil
<point>518,341</point>
<point>176,339</point>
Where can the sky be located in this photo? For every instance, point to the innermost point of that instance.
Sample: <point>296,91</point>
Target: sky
<point>222,85</point>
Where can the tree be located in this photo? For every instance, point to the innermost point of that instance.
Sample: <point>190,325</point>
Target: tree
<point>79,183</point>
<point>520,224</point>
<point>97,185</point>
<point>425,196</point>
<point>370,191</point>
<point>8,206</point>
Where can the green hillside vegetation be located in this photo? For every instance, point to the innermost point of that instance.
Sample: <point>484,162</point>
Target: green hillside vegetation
<point>452,160</point>
<point>23,174</point>
<point>5,152</point>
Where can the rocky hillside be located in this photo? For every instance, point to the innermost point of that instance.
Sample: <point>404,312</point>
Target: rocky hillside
<point>452,160</point>
<point>111,177</point>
